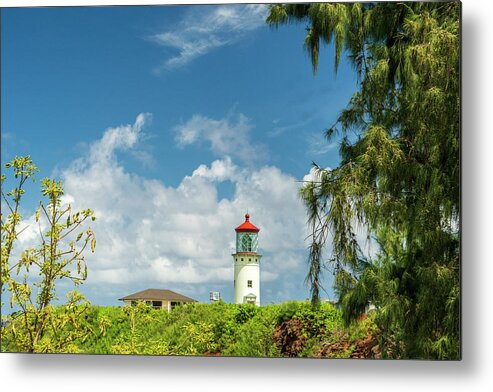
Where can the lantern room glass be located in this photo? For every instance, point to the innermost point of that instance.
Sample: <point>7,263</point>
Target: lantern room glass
<point>247,242</point>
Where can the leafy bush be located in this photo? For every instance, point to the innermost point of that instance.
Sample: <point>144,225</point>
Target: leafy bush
<point>254,337</point>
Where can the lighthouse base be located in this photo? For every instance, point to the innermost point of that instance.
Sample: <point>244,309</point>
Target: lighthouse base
<point>247,279</point>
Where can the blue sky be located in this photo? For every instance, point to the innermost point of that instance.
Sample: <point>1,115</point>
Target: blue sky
<point>170,122</point>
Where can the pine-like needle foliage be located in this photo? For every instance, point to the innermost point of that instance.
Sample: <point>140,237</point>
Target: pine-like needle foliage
<point>399,170</point>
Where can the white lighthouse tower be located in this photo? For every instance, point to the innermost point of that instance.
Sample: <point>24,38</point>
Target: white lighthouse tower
<point>247,264</point>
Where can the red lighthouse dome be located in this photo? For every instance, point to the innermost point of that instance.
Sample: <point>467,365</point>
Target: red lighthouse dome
<point>247,226</point>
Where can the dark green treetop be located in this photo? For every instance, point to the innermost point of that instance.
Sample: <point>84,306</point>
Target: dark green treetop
<point>399,173</point>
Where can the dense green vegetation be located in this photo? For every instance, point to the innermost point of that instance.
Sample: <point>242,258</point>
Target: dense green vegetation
<point>398,178</point>
<point>292,329</point>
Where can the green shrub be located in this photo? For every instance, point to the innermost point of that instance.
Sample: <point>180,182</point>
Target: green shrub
<point>254,337</point>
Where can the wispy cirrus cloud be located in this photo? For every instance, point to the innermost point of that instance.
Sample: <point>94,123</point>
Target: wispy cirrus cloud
<point>318,144</point>
<point>211,27</point>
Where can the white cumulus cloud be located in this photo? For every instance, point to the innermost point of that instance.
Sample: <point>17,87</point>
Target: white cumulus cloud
<point>181,237</point>
<point>225,137</point>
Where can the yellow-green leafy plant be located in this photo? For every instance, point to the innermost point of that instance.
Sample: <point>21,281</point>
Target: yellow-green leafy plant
<point>28,276</point>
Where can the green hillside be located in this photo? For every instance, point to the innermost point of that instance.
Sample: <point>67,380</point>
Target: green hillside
<point>292,329</point>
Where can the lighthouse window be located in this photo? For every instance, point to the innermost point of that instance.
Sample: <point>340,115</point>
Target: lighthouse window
<point>246,243</point>
<point>249,283</point>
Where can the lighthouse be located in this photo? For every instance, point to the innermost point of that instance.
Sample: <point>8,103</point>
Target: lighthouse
<point>247,264</point>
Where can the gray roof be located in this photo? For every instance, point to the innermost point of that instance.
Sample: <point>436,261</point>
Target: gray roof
<point>157,295</point>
